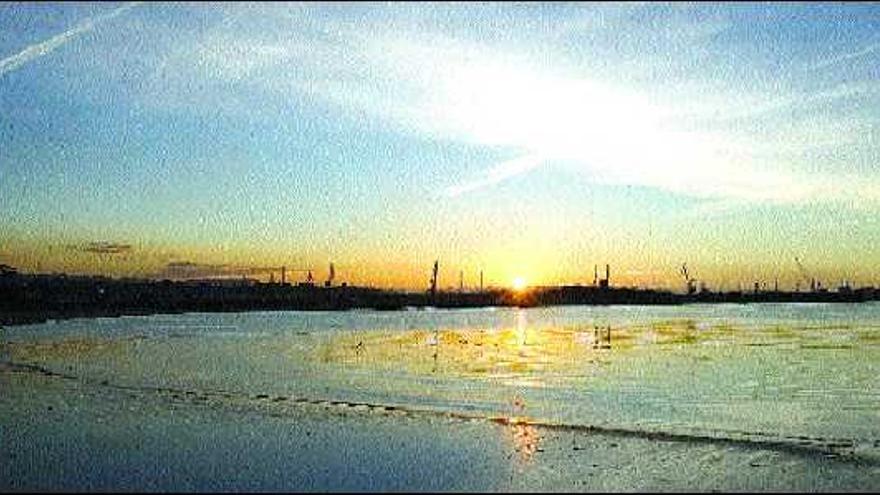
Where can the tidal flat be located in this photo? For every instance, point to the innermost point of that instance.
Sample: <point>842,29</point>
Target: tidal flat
<point>694,398</point>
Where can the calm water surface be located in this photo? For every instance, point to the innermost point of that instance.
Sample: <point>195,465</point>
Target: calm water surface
<point>784,372</point>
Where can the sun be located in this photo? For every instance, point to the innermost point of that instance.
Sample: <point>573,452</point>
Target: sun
<point>519,283</point>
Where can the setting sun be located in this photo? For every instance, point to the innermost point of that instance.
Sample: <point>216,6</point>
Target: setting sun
<point>519,283</point>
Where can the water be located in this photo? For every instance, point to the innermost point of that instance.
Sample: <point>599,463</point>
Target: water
<point>799,374</point>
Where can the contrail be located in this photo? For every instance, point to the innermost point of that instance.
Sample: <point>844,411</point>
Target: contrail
<point>498,173</point>
<point>847,56</point>
<point>37,50</point>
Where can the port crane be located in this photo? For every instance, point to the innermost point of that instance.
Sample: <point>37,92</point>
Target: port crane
<point>806,275</point>
<point>331,275</point>
<point>690,281</point>
<point>433,289</point>
<point>310,280</point>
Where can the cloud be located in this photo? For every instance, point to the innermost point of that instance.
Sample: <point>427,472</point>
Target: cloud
<point>101,247</point>
<point>506,98</point>
<point>846,56</point>
<point>745,108</point>
<point>617,135</point>
<point>498,173</point>
<point>43,48</point>
<point>184,270</point>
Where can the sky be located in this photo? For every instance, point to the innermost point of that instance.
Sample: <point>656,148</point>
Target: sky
<point>523,140</point>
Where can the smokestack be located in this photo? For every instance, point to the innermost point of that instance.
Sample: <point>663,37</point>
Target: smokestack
<point>283,274</point>
<point>608,274</point>
<point>595,275</point>
<point>481,280</point>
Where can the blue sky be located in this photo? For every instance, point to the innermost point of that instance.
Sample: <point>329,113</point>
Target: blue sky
<point>527,140</point>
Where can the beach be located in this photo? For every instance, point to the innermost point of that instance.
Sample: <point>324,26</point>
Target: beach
<point>62,435</point>
<point>83,410</point>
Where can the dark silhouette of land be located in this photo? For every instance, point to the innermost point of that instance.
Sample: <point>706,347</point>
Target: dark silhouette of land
<point>29,298</point>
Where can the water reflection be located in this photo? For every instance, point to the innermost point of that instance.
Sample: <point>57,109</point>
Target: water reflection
<point>524,436</point>
<point>525,440</point>
<point>598,339</point>
<point>807,374</point>
<point>520,352</point>
<point>521,327</point>
<point>434,341</point>
<point>631,367</point>
<point>603,338</point>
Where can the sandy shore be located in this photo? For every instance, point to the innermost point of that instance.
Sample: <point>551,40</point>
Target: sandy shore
<point>60,433</point>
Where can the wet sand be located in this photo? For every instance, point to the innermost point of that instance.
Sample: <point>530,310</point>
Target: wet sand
<point>62,433</point>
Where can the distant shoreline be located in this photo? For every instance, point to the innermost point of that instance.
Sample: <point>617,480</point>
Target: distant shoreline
<point>27,299</point>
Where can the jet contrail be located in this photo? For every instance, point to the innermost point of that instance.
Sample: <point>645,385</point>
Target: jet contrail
<point>498,173</point>
<point>37,50</point>
<point>847,56</point>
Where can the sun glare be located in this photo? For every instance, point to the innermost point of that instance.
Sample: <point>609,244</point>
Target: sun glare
<point>519,283</point>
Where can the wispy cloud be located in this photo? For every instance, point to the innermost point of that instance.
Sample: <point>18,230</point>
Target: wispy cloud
<point>749,107</point>
<point>43,48</point>
<point>101,247</point>
<point>498,173</point>
<point>501,98</point>
<point>184,270</point>
<point>846,57</point>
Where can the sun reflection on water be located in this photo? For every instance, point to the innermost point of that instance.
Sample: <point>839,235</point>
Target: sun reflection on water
<point>521,327</point>
<point>524,436</point>
<point>521,354</point>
